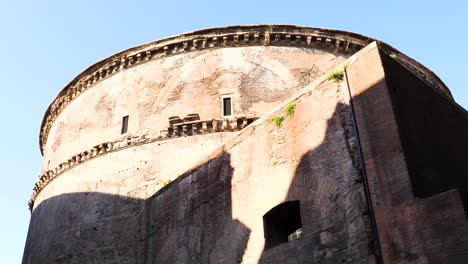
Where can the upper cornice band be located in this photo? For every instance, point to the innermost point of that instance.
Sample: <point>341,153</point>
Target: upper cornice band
<point>222,37</point>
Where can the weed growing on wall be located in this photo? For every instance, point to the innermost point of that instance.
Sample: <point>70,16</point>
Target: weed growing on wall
<point>277,120</point>
<point>336,75</point>
<point>290,109</point>
<point>166,182</point>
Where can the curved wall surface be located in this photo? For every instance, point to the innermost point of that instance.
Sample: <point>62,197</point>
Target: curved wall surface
<point>257,78</point>
<point>99,199</point>
<point>92,211</point>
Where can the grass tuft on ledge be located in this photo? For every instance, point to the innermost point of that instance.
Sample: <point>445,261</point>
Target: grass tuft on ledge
<point>290,108</point>
<point>277,120</point>
<point>336,75</point>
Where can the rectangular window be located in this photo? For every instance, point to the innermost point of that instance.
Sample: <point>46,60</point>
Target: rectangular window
<point>227,106</point>
<point>124,125</point>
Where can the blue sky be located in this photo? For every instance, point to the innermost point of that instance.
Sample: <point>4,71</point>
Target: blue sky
<point>44,44</point>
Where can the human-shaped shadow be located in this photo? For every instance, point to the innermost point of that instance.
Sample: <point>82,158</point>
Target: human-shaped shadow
<point>188,221</point>
<point>191,221</point>
<point>328,185</point>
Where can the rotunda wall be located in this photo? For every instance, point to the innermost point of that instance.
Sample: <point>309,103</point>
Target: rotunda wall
<point>257,79</point>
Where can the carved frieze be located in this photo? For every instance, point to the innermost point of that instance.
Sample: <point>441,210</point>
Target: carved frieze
<point>221,38</point>
<point>183,129</point>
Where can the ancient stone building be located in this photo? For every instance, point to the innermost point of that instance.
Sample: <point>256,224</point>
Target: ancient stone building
<point>248,144</point>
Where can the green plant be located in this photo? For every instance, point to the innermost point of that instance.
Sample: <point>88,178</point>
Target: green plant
<point>166,182</point>
<point>336,75</point>
<point>346,65</point>
<point>290,109</point>
<point>274,163</point>
<point>269,28</point>
<point>277,120</point>
<point>393,56</point>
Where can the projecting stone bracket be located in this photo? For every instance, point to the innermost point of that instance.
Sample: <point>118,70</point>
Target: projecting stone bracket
<point>240,36</point>
<point>198,127</point>
<point>181,129</point>
<point>235,36</point>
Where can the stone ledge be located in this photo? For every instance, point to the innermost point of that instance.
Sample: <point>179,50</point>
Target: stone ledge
<point>222,37</point>
<point>236,36</point>
<point>199,127</point>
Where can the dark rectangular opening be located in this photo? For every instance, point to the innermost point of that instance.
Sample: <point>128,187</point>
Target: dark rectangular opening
<point>282,223</point>
<point>124,125</point>
<point>227,106</point>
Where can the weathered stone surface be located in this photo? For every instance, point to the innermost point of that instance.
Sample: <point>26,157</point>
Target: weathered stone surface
<point>195,189</point>
<point>234,36</point>
<point>219,206</point>
<point>400,120</point>
<point>258,78</point>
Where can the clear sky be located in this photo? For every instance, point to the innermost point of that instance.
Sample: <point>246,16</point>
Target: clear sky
<point>45,44</point>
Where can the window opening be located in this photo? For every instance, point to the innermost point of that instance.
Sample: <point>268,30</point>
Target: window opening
<point>227,106</point>
<point>282,224</point>
<point>124,125</point>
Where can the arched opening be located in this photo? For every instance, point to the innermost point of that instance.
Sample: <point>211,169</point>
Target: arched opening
<point>282,224</point>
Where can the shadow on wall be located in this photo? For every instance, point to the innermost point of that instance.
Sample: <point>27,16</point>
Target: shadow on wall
<point>335,226</point>
<point>191,219</point>
<point>85,227</point>
<point>188,221</point>
<point>431,227</point>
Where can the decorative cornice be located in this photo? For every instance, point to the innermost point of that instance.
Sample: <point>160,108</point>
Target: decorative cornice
<point>214,38</point>
<point>199,127</point>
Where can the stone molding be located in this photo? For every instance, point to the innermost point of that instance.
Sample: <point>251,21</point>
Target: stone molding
<point>214,38</point>
<point>199,127</point>
<point>239,36</point>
